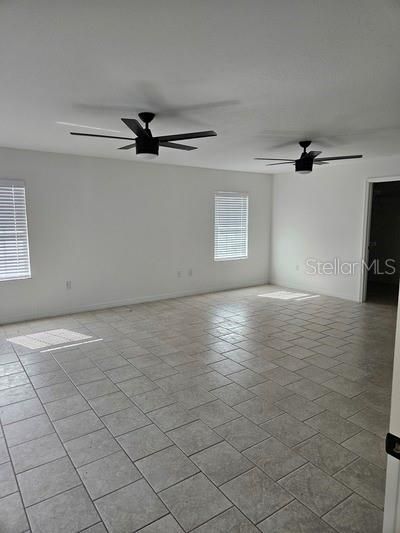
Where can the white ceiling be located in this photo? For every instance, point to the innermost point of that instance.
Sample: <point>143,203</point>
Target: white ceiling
<point>279,70</point>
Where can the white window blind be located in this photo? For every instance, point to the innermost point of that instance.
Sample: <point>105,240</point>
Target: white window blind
<point>14,244</point>
<point>230,226</point>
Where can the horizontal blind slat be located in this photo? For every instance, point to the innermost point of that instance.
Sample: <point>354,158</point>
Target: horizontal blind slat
<point>230,226</point>
<point>14,242</point>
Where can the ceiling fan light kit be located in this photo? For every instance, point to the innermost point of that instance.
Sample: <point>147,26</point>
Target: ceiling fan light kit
<point>306,161</point>
<point>147,146</point>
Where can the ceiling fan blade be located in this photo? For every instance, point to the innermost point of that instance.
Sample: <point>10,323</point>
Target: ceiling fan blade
<point>273,159</point>
<point>284,163</point>
<point>182,136</point>
<point>186,147</point>
<point>98,135</point>
<point>135,126</point>
<point>314,154</point>
<point>338,157</point>
<point>127,147</point>
<point>320,162</point>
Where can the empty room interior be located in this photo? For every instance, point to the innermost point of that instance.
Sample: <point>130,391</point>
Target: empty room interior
<point>199,266</point>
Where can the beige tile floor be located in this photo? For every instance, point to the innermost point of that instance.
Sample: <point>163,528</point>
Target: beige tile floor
<point>248,410</point>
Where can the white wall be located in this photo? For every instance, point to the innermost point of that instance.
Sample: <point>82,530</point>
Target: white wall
<point>120,231</point>
<point>321,215</point>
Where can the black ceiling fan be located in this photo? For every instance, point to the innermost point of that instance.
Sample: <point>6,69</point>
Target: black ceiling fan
<point>305,163</point>
<point>146,145</point>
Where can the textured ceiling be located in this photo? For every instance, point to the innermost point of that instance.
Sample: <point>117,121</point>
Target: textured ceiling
<point>261,73</point>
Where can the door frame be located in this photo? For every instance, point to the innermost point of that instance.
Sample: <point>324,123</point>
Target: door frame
<point>366,227</point>
<point>391,517</point>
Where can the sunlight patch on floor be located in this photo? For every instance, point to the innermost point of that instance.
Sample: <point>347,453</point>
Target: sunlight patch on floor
<point>287,295</point>
<point>44,339</point>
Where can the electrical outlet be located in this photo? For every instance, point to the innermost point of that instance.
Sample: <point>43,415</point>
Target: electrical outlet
<point>190,272</point>
<point>179,274</point>
<point>68,284</point>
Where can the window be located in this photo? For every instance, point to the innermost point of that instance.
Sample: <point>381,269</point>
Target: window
<point>230,226</point>
<point>14,245</point>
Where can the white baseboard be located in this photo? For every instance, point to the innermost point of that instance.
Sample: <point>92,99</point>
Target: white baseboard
<point>132,300</point>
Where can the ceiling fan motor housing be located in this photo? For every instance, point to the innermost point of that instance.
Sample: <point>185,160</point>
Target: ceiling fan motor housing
<point>304,164</point>
<point>147,145</point>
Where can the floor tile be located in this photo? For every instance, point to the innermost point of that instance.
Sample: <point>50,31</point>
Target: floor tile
<point>288,430</point>
<point>193,397</point>
<point>233,394</point>
<point>77,425</point>
<point>90,447</point>
<point>315,489</point>
<point>299,407</point>
<point>166,467</point>
<point>368,446</point>
<point>231,520</point>
<point>194,437</point>
<point>45,481</point>
<point>270,391</point>
<point>69,511</point>
<point>8,484</point>
<point>16,394</point>
<point>339,404</point>
<point>4,457</point>
<point>172,416</point>
<point>274,458</point>
<point>221,462</point>
<point>325,454</point>
<point>355,515</point>
<point>372,421</point>
<point>167,524</point>
<point>97,388</point>
<point>56,392</point>
<point>345,386</point>
<point>130,508</point>
<point>108,474</point>
<point>308,389</point>
<point>36,452</point>
<point>242,433</point>
<point>194,501</point>
<point>123,373</point>
<point>136,386</point>
<point>294,518</point>
<point>20,411</point>
<point>282,376</point>
<point>212,380</point>
<point>50,378</point>
<point>29,429</point>
<point>12,515</point>
<point>66,407</point>
<point>258,410</point>
<point>365,479</point>
<point>144,441</point>
<point>110,403</point>
<point>125,421</point>
<point>333,426</point>
<point>247,378</point>
<point>256,495</point>
<point>315,373</point>
<point>152,400</point>
<point>13,380</point>
<point>215,413</point>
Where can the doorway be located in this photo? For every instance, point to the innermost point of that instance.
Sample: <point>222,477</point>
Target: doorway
<point>383,243</point>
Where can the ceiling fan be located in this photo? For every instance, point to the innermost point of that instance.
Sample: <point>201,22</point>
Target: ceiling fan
<point>305,163</point>
<point>146,145</point>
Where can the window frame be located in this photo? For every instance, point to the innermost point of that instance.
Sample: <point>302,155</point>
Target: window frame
<point>8,182</point>
<point>237,194</point>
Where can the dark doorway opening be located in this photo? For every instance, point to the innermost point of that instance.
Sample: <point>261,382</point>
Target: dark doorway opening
<point>384,243</point>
